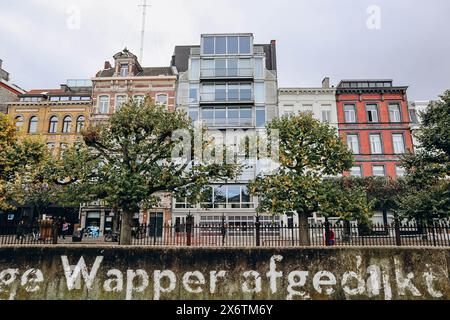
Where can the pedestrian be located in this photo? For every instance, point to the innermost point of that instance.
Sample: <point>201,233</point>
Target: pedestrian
<point>65,229</point>
<point>332,241</point>
<point>20,230</point>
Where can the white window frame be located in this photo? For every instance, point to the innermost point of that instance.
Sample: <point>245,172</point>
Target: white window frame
<point>395,143</point>
<point>351,143</point>
<point>373,145</point>
<point>103,106</point>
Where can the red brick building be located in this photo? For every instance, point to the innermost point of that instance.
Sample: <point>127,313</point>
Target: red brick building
<point>374,122</point>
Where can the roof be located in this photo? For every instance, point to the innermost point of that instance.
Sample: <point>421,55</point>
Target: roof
<point>147,72</point>
<point>44,91</point>
<point>11,87</point>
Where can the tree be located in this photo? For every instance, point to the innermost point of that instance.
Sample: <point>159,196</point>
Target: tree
<point>428,170</point>
<point>309,151</point>
<point>18,155</point>
<point>133,157</point>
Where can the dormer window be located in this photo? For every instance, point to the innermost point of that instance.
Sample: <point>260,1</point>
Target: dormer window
<point>123,69</point>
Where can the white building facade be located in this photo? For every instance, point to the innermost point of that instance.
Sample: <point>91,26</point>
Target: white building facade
<point>321,102</point>
<point>416,108</point>
<point>229,84</point>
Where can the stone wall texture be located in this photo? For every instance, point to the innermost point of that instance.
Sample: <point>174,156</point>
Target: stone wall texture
<point>118,273</point>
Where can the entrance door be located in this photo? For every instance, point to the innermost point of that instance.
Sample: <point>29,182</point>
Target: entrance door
<point>155,226</point>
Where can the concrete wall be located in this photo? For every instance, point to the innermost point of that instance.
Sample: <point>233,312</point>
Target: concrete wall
<point>79,272</point>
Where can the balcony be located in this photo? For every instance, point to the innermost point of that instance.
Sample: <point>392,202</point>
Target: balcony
<point>226,117</point>
<point>230,97</point>
<point>227,73</point>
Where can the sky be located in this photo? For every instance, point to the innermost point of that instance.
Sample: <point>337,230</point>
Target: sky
<point>45,42</point>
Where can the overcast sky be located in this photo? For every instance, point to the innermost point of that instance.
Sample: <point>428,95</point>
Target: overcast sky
<point>45,42</point>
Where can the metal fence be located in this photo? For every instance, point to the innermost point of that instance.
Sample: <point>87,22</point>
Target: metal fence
<point>278,235</point>
<point>258,234</point>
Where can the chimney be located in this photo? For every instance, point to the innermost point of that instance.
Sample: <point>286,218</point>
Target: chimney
<point>326,83</point>
<point>273,54</point>
<point>107,65</point>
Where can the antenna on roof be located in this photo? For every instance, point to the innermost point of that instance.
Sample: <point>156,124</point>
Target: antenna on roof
<point>144,6</point>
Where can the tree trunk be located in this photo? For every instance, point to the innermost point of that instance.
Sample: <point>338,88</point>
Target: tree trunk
<point>303,229</point>
<point>116,220</point>
<point>125,229</point>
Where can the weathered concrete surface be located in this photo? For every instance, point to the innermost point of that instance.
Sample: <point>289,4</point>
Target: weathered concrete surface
<point>231,274</point>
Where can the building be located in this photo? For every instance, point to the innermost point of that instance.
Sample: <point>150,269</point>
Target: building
<point>116,84</point>
<point>230,84</point>
<point>321,102</point>
<point>57,116</point>
<point>374,121</point>
<point>416,108</point>
<point>8,91</point>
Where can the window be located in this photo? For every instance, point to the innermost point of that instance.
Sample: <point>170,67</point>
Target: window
<point>375,144</point>
<point>139,99</point>
<point>233,45</point>
<point>398,143</point>
<point>193,93</point>
<point>356,171</point>
<point>288,110</point>
<point>123,70</point>
<point>67,123</point>
<point>65,99</point>
<point>226,116</point>
<point>32,128</point>
<point>193,114</point>
<point>259,67</point>
<point>54,98</point>
<point>19,122</point>
<point>221,67</point>
<point>378,171</point>
<point>162,99</point>
<point>244,45</point>
<point>120,100</point>
<point>208,45</point>
<point>326,116</point>
<point>260,117</point>
<point>260,94</point>
<point>353,143</point>
<point>245,67</point>
<point>350,113</point>
<point>227,45</point>
<point>372,113</point>
<point>231,197</point>
<point>53,127</point>
<point>194,70</point>
<point>400,171</point>
<point>103,105</point>
<point>80,123</point>
<point>226,92</point>
<point>413,116</point>
<point>394,113</point>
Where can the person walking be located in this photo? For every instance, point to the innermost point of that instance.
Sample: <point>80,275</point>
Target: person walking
<point>65,228</point>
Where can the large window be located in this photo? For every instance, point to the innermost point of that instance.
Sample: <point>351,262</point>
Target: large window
<point>193,114</point>
<point>103,104</point>
<point>260,117</point>
<point>194,70</point>
<point>260,94</point>
<point>230,197</point>
<point>33,125</point>
<point>80,123</point>
<point>375,144</point>
<point>350,113</point>
<point>353,143</point>
<point>378,171</point>
<point>259,67</point>
<point>193,93</point>
<point>227,45</point>
<point>162,100</point>
<point>398,143</point>
<point>372,113</point>
<point>227,92</point>
<point>124,69</point>
<point>67,123</point>
<point>394,113</point>
<point>19,122</point>
<point>231,67</point>
<point>53,125</point>
<point>356,171</point>
<point>120,100</point>
<point>227,116</point>
<point>326,116</point>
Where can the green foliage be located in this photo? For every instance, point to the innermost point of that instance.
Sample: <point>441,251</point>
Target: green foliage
<point>309,151</point>
<point>18,156</point>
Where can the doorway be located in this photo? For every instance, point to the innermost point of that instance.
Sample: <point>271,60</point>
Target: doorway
<point>155,226</point>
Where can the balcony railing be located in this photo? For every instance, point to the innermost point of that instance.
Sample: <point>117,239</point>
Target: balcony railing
<point>229,122</point>
<point>227,97</point>
<point>227,73</point>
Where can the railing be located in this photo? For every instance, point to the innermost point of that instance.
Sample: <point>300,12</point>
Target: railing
<point>320,235</point>
<point>225,122</point>
<point>28,235</point>
<point>227,73</point>
<point>237,97</point>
